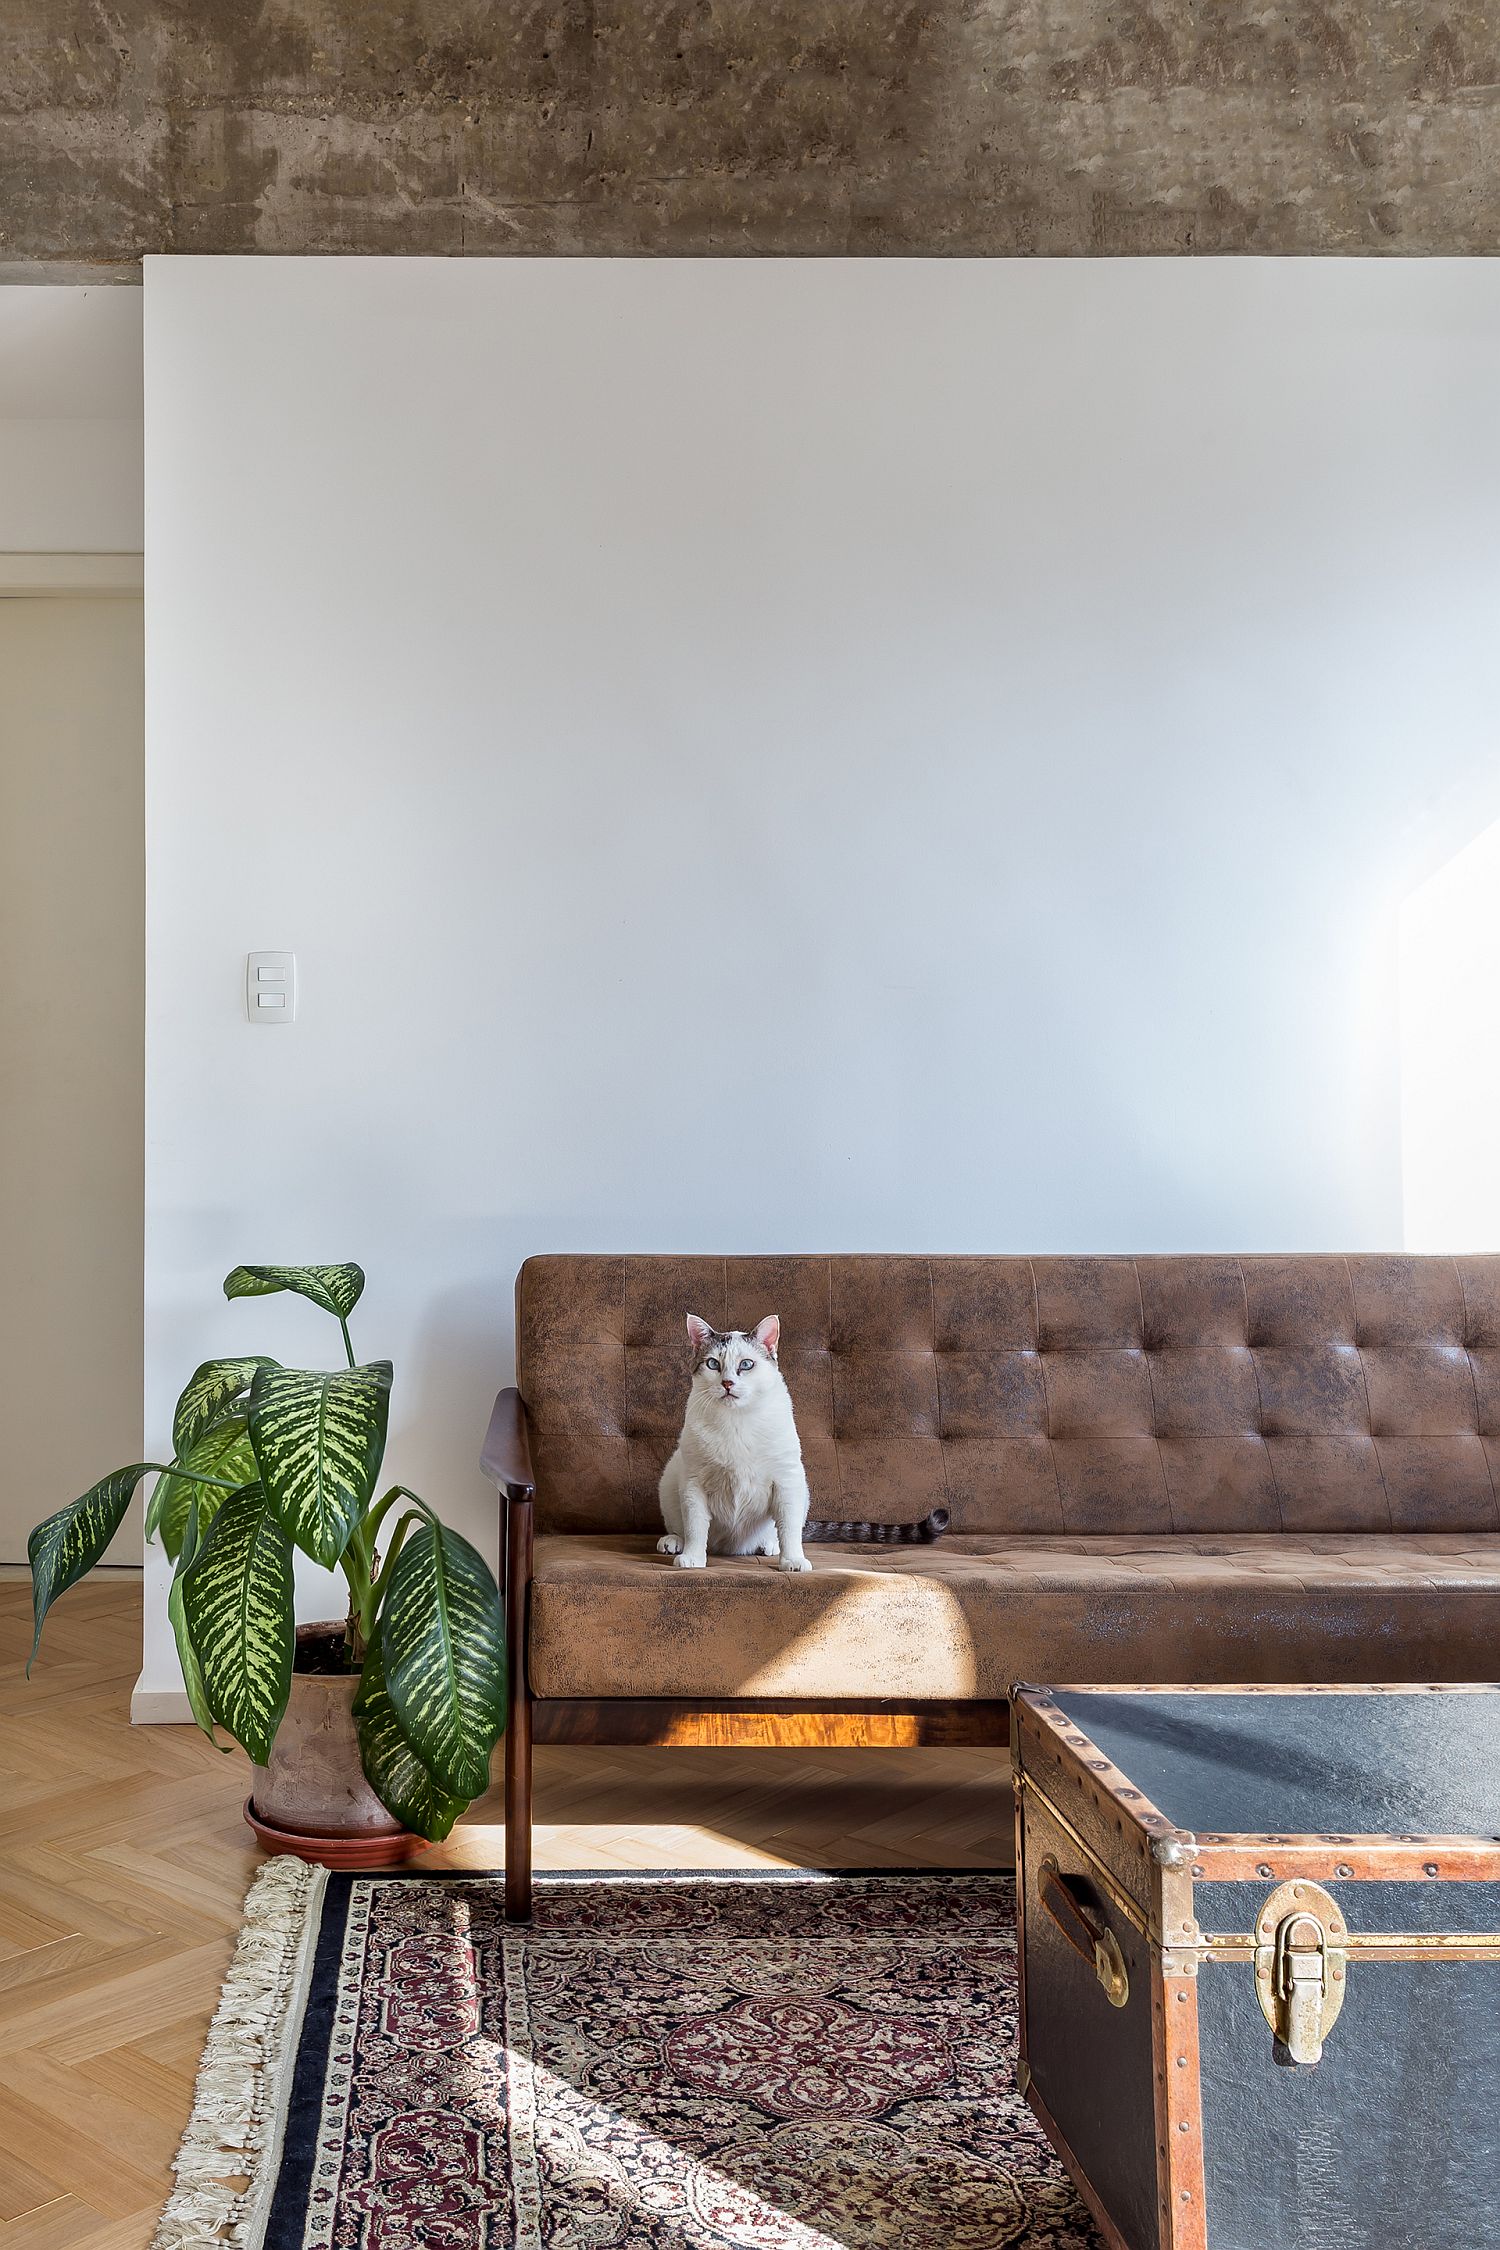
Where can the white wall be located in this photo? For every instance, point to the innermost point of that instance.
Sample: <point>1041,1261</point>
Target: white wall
<point>1450,1054</point>
<point>810,754</point>
<point>70,420</point>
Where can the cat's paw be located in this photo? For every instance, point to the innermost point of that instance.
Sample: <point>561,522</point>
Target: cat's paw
<point>688,1562</point>
<point>794,1562</point>
<point>667,1545</point>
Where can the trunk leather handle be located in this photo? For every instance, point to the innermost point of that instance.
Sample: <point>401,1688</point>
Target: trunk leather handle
<point>1085,1930</point>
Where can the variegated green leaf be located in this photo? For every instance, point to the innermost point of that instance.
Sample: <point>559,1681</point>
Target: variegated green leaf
<point>392,1768</point>
<point>443,1638</point>
<point>237,1604</point>
<point>337,1289</point>
<point>71,1542</point>
<point>223,1450</point>
<point>318,1442</point>
<point>187,1655</point>
<point>215,1387</point>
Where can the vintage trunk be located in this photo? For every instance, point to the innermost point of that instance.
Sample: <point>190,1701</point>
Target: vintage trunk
<point>1260,1961</point>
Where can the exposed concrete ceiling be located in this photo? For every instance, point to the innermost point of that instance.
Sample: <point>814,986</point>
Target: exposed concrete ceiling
<point>965,127</point>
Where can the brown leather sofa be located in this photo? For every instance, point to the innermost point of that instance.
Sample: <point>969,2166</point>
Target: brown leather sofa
<point>1169,1468</point>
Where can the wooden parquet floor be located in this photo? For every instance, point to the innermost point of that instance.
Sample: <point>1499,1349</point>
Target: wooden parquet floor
<point>123,1861</point>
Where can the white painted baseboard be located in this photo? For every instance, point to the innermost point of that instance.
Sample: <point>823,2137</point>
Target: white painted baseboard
<point>160,1707</point>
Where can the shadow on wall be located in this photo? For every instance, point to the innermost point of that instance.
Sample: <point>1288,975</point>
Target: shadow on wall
<point>462,1353</point>
<point>465,1346</point>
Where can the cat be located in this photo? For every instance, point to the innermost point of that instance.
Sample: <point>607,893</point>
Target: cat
<point>735,1484</point>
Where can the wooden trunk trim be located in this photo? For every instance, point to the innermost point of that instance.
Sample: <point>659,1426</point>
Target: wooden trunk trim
<point>1179,2104</point>
<point>1108,1827</point>
<point>671,1723</point>
<point>1324,1859</point>
<point>1101,1778</point>
<point>1018,1807</point>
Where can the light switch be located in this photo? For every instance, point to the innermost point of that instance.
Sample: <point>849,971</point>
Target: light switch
<point>270,987</point>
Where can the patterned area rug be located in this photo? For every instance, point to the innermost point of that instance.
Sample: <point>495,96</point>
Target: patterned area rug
<point>683,2062</point>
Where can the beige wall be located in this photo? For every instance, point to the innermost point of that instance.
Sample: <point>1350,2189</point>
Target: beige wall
<point>72,906</point>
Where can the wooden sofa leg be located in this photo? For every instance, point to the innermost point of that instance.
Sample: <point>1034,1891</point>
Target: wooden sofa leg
<point>518,1811</point>
<point>518,1536</point>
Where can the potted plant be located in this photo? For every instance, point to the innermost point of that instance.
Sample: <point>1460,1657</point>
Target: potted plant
<point>376,1730</point>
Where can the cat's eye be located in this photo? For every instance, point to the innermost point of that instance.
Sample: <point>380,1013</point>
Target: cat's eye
<point>745,1366</point>
<point>712,1365</point>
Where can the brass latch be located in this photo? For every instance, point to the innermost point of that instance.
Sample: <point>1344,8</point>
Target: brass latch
<point>1300,1965</point>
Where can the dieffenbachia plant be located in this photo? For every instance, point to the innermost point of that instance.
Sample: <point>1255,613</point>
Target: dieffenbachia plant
<point>267,1458</point>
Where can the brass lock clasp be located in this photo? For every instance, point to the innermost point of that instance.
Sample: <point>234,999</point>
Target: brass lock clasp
<point>1301,1965</point>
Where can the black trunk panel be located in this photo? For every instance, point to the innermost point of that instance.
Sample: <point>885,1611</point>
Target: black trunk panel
<point>1284,1764</point>
<point>1092,2063</point>
<point>1391,2143</point>
<point>1369,1909</point>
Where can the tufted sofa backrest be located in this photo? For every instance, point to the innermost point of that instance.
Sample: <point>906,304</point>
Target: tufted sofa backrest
<point>1083,1395</point>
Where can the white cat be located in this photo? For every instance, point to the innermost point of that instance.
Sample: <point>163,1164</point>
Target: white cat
<point>736,1484</point>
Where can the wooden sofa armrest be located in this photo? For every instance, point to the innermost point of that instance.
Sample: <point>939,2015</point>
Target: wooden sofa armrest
<point>506,1454</point>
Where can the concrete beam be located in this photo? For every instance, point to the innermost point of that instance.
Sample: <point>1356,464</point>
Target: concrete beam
<point>633,127</point>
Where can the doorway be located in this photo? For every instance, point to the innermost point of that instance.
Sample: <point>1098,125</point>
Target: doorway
<point>72,939</point>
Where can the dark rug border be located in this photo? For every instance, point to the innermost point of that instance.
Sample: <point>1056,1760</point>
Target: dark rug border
<point>287,2223</point>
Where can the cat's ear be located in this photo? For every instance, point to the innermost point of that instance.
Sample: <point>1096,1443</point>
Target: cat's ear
<point>768,1333</point>
<point>699,1333</point>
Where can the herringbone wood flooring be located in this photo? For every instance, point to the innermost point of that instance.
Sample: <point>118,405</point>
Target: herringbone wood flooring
<point>123,1860</point>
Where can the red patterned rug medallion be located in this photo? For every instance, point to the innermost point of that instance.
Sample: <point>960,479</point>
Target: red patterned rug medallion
<point>661,2063</point>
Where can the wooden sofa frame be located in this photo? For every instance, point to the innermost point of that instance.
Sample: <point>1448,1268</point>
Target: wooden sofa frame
<point>664,1721</point>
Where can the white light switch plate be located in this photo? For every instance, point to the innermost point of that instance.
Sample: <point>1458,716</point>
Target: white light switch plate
<point>270,987</point>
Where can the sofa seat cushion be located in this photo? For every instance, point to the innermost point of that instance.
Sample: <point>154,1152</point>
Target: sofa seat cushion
<point>966,1618</point>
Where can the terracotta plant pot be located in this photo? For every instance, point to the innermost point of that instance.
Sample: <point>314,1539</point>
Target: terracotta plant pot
<point>312,1798</point>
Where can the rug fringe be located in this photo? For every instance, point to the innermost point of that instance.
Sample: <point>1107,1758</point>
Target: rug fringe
<point>235,2098</point>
